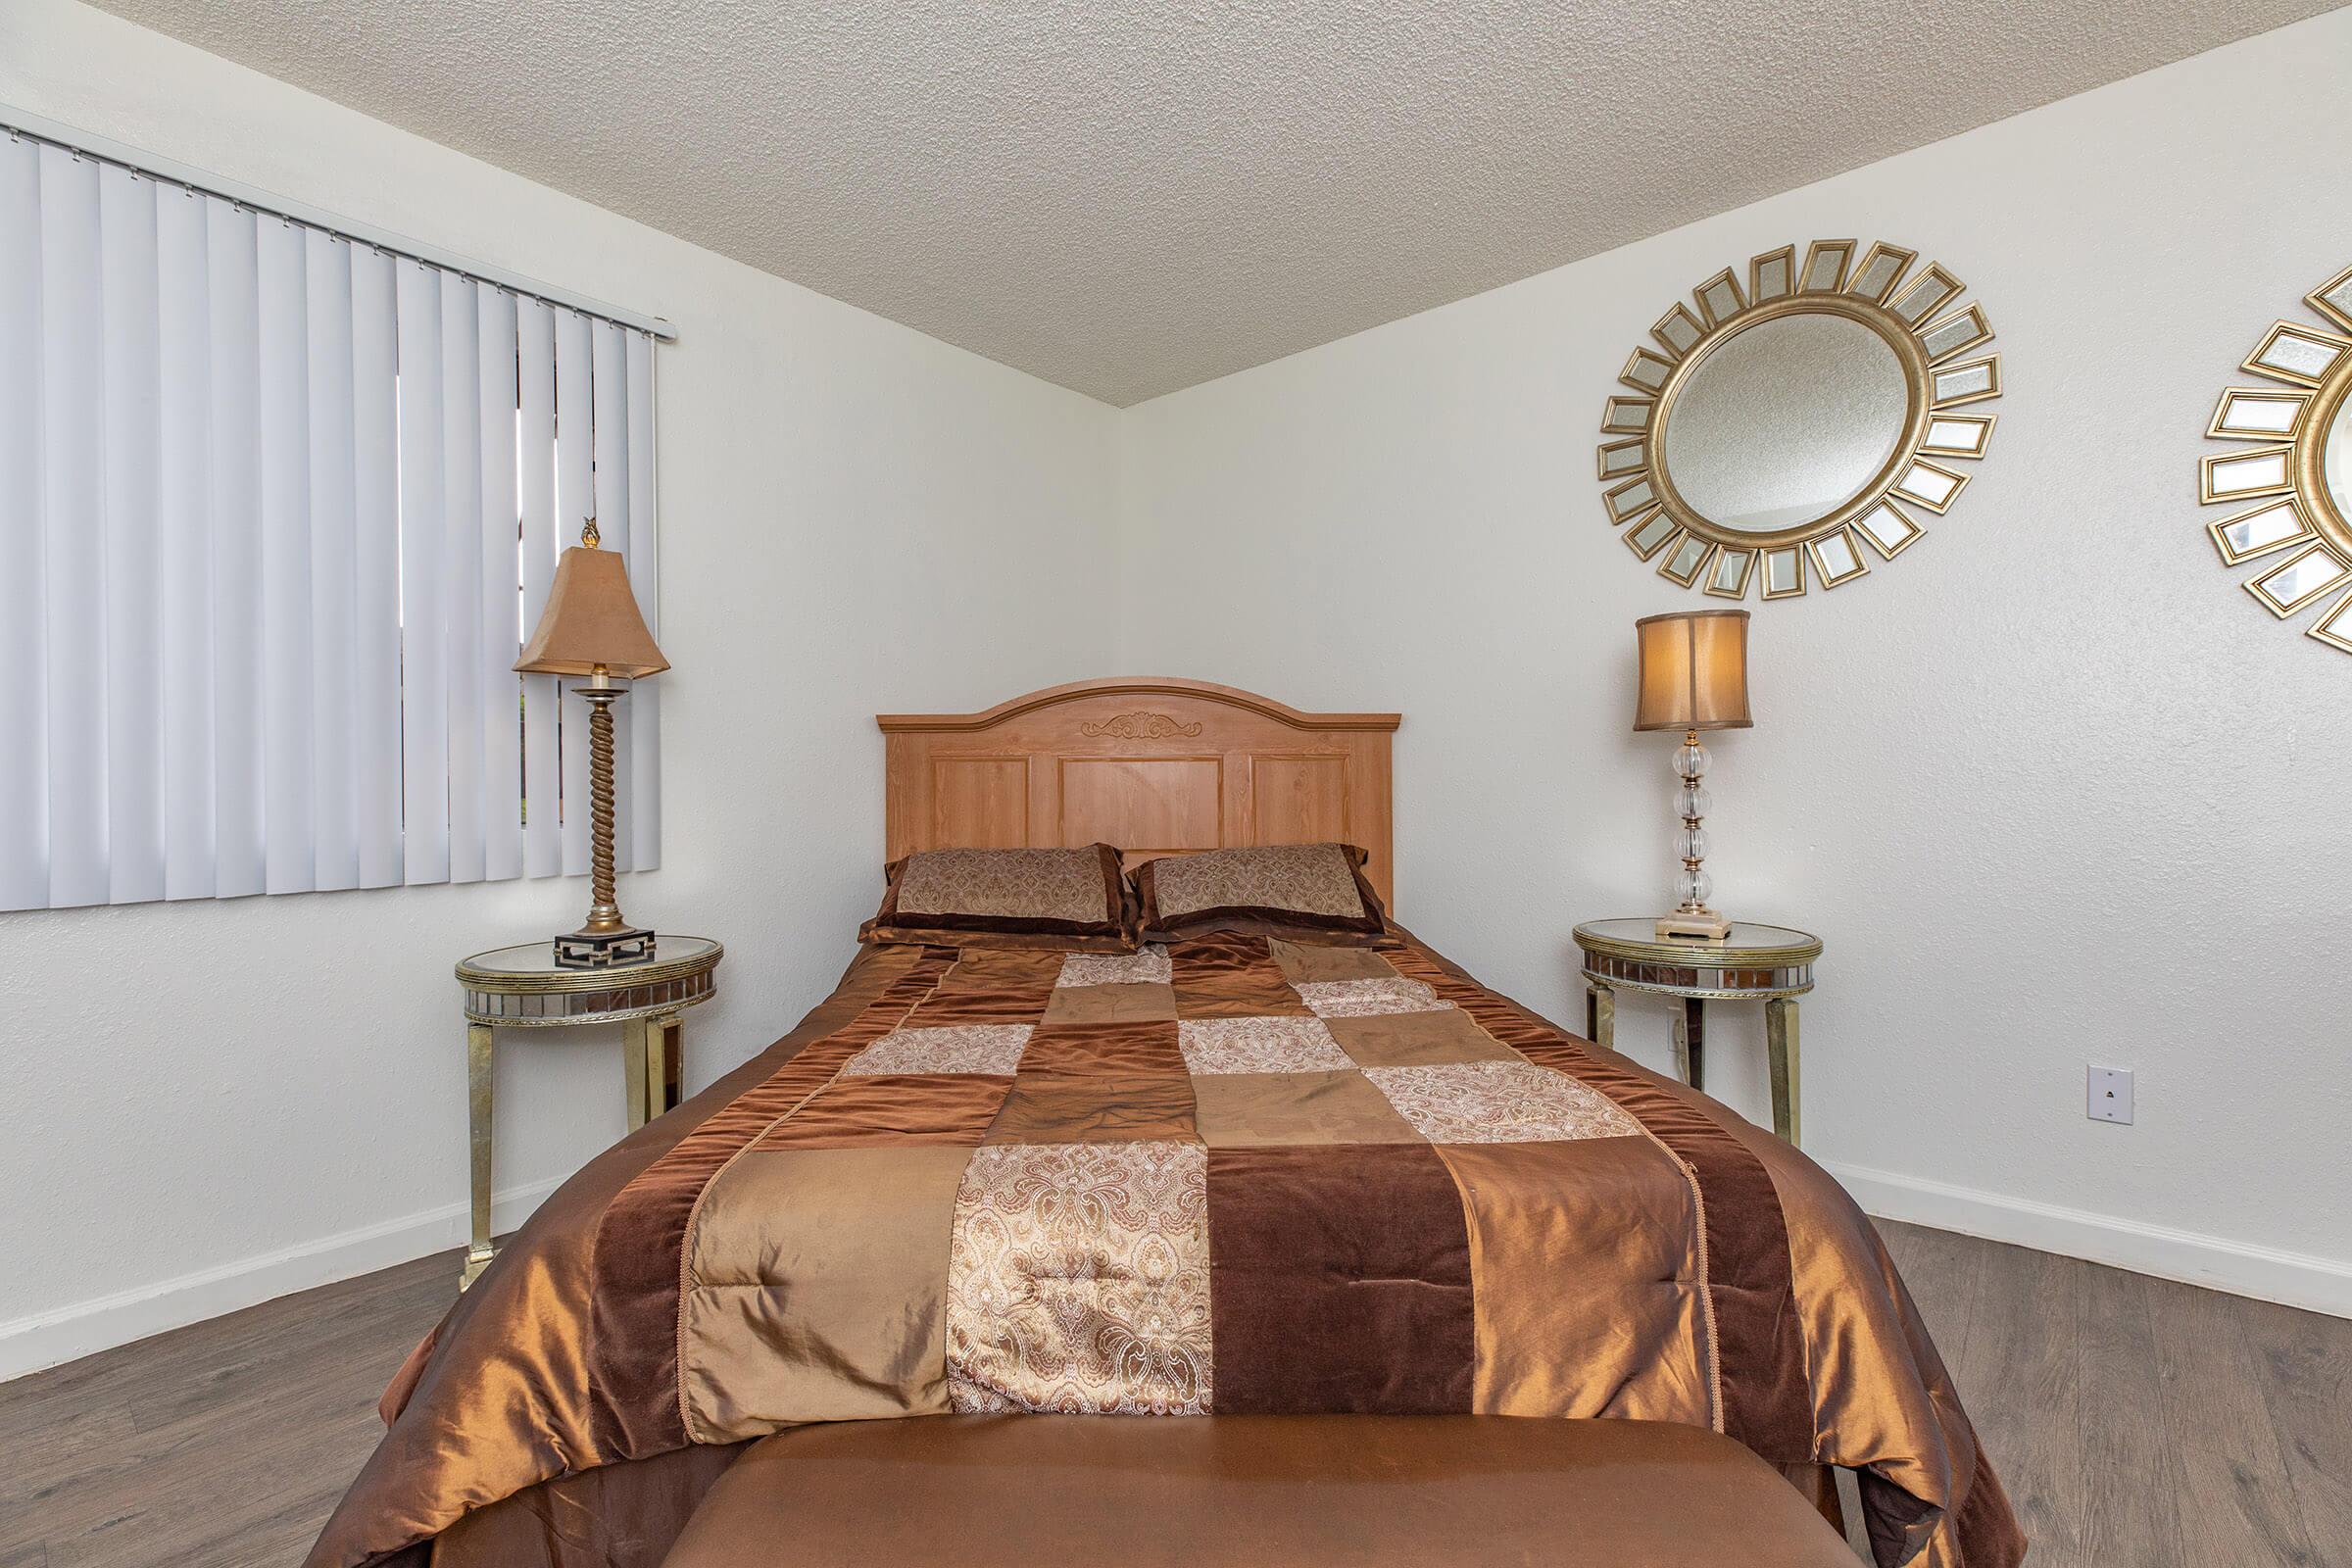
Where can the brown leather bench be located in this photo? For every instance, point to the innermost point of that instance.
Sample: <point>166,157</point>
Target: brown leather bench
<point>1044,1492</point>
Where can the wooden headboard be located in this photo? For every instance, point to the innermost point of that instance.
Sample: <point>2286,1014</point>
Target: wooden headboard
<point>1152,765</point>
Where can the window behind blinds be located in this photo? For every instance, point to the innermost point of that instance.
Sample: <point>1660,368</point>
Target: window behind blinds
<point>277,509</point>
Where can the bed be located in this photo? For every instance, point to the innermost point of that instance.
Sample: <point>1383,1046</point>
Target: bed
<point>1463,1208</point>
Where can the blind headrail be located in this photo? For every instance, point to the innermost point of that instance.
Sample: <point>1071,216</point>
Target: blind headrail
<point>36,127</point>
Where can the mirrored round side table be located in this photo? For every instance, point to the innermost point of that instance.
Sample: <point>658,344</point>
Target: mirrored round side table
<point>1768,963</point>
<point>524,988</point>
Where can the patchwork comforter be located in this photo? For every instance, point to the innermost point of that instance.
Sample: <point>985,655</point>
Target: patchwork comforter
<point>1226,1175</point>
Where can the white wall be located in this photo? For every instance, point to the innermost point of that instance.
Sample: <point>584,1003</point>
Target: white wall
<point>203,1104</point>
<point>2053,790</point>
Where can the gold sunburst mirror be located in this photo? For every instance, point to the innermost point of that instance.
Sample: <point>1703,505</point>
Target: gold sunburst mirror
<point>2287,472</point>
<point>1789,425</point>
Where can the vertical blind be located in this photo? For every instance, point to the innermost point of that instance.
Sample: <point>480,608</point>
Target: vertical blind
<point>277,509</point>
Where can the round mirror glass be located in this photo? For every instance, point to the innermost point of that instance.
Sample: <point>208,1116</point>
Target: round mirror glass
<point>2335,459</point>
<point>1786,421</point>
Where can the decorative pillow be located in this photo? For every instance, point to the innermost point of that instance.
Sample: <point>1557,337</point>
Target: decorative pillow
<point>1313,892</point>
<point>1008,898</point>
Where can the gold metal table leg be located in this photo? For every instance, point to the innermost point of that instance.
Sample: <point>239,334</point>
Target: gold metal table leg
<point>635,1047</point>
<point>478,1126</point>
<point>665,1066</point>
<point>1690,1042</point>
<point>651,1051</point>
<point>1780,1045</point>
<point>1602,1007</point>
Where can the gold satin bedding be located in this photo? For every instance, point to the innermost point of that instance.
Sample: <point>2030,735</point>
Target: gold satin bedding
<point>1230,1174</point>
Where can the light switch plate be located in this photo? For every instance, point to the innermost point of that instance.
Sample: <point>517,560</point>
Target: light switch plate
<point>2108,1095</point>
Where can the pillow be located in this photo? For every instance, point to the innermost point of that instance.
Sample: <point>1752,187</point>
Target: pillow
<point>1315,892</point>
<point>1007,898</point>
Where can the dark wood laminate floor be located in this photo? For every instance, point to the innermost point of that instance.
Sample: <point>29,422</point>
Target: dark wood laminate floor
<point>223,1443</point>
<point>2137,1423</point>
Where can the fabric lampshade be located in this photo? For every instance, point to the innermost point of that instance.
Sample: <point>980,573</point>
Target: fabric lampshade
<point>1693,670</point>
<point>591,620</point>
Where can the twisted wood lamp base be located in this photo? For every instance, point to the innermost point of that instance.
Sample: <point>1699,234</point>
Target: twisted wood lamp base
<point>605,939</point>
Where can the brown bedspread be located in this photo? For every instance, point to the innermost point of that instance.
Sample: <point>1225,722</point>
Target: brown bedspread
<point>1228,1175</point>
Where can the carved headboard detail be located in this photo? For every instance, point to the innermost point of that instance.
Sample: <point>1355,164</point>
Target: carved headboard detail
<point>1152,765</point>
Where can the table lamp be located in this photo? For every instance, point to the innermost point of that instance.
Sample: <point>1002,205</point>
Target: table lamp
<point>1693,677</point>
<point>591,627</point>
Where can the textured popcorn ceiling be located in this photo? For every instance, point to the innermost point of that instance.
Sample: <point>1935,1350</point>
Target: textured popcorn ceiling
<point>1130,198</point>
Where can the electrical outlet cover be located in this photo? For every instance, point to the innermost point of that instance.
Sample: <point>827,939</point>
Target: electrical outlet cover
<point>2108,1095</point>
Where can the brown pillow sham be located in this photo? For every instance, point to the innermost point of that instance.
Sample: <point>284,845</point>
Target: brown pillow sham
<point>1307,892</point>
<point>1007,898</point>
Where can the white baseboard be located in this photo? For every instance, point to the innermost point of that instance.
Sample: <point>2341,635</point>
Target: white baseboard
<point>2268,1273</point>
<point>30,1344</point>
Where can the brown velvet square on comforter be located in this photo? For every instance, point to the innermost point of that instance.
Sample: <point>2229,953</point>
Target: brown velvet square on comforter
<point>1227,1174</point>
